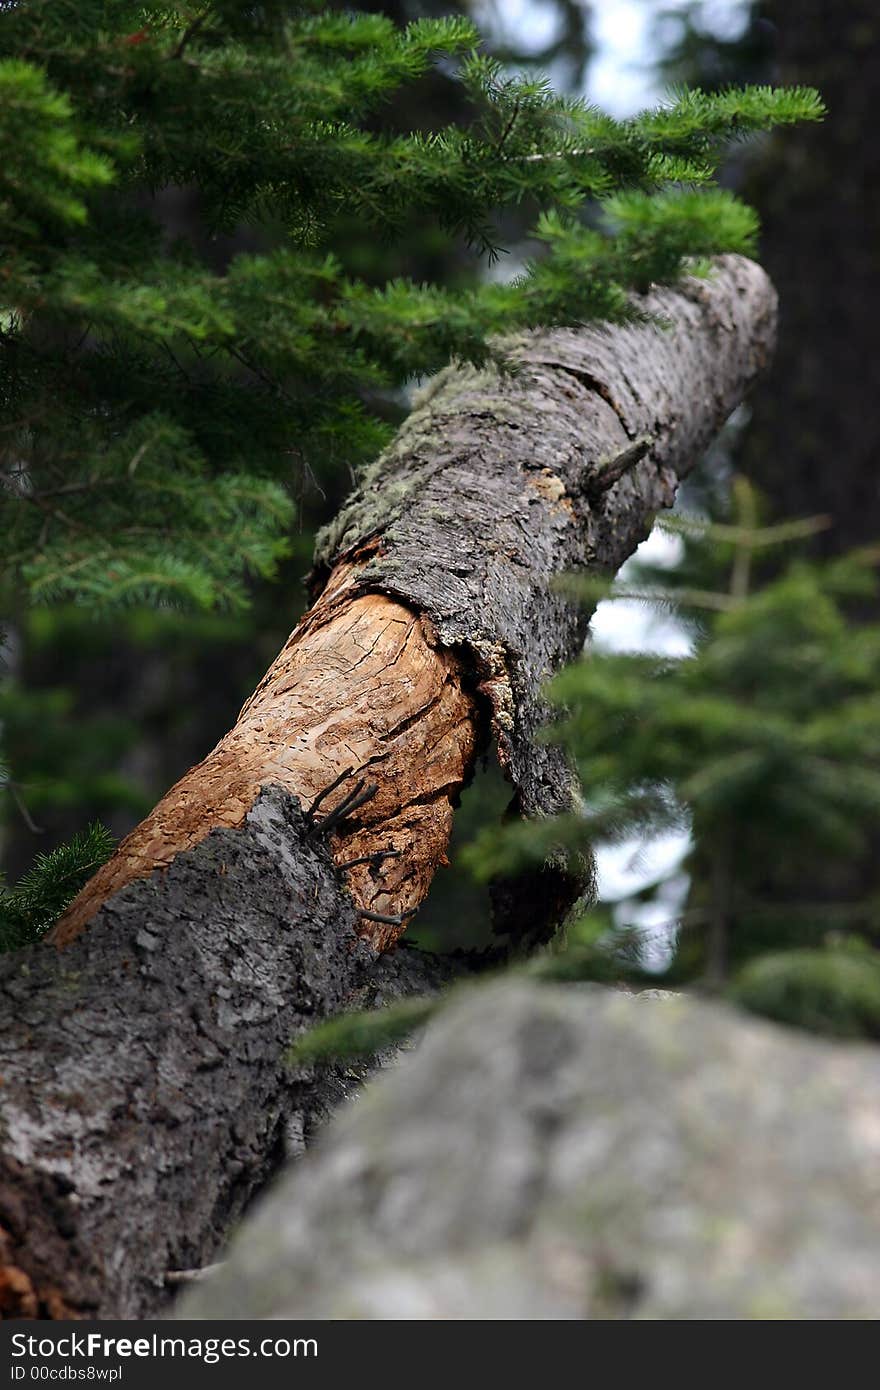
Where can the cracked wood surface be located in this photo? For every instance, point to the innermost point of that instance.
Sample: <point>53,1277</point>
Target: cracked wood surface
<point>145,1098</point>
<point>500,483</point>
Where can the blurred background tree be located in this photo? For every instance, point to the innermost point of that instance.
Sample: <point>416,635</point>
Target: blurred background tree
<point>811,437</point>
<point>814,435</point>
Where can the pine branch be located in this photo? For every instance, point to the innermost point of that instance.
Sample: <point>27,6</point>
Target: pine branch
<point>28,910</point>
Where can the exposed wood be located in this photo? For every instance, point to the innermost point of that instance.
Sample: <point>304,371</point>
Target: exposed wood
<point>362,686</point>
<point>145,1097</point>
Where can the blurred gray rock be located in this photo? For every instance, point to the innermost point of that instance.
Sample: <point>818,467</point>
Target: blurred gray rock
<point>569,1152</point>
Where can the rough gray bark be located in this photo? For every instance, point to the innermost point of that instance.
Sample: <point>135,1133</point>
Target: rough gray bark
<point>569,1152</point>
<point>497,484</point>
<point>144,1096</point>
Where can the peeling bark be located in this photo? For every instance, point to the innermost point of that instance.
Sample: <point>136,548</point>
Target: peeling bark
<point>144,1097</point>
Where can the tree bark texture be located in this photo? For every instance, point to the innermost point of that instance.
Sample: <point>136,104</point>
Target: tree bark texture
<point>145,1097</point>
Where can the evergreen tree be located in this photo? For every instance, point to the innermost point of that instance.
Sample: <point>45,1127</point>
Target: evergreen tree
<point>820,212</point>
<point>151,408</point>
<point>27,910</point>
<point>764,743</point>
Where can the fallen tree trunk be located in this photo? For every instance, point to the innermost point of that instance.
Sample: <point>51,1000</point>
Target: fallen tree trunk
<point>609,1157</point>
<point>144,1095</point>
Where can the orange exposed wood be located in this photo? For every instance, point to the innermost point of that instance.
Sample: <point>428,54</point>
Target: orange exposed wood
<point>360,684</point>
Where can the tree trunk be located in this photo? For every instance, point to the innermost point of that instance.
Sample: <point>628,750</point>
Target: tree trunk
<point>145,1097</point>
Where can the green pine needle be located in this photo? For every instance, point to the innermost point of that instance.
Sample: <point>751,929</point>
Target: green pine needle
<point>28,910</point>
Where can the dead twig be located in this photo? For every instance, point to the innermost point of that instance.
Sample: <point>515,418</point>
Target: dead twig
<point>375,858</point>
<point>322,795</point>
<point>610,471</point>
<point>361,793</point>
<point>193,1276</point>
<point>397,921</point>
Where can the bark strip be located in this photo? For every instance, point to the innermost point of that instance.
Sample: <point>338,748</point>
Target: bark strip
<point>144,1098</point>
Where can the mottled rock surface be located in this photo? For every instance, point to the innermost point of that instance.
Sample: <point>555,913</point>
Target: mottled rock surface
<point>567,1152</point>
